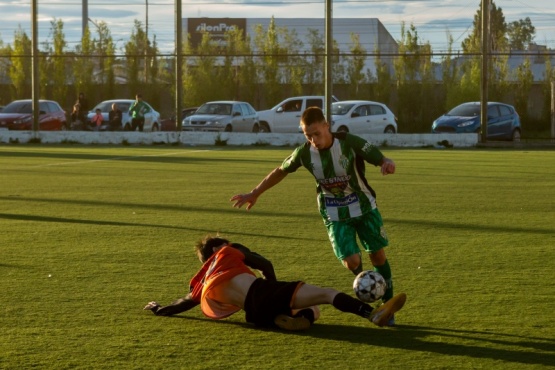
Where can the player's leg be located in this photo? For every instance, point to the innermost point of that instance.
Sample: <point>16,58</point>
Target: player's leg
<point>373,238</point>
<point>310,295</point>
<point>342,236</point>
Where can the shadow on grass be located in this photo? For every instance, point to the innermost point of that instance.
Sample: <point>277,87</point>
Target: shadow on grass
<point>273,214</point>
<point>520,349</point>
<point>161,207</point>
<point>162,157</point>
<point>32,218</point>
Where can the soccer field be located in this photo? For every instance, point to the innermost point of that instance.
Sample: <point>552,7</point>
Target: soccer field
<point>90,234</point>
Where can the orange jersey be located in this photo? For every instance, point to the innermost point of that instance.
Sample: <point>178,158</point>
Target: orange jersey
<point>221,267</point>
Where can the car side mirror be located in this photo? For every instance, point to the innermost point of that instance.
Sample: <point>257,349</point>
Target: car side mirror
<point>279,110</point>
<point>355,114</point>
<point>42,112</point>
<point>235,114</point>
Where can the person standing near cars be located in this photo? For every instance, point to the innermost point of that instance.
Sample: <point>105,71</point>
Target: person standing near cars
<point>83,103</point>
<point>77,118</point>
<point>114,118</point>
<point>346,201</point>
<point>137,112</point>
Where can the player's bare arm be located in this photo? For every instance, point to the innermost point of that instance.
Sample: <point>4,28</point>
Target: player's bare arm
<point>387,166</point>
<point>250,199</point>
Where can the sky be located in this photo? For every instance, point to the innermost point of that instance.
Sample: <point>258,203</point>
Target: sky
<point>434,19</point>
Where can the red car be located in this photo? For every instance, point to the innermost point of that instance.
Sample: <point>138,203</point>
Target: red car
<point>18,115</point>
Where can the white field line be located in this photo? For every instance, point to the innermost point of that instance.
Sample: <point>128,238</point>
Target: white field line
<point>118,158</point>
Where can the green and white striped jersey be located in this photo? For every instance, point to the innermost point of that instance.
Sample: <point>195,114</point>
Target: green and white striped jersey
<point>343,191</point>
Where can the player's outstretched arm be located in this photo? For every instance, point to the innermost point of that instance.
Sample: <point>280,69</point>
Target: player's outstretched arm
<point>269,181</point>
<point>180,305</point>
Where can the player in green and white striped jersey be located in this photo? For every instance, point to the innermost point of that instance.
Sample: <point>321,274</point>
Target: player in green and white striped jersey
<point>346,201</point>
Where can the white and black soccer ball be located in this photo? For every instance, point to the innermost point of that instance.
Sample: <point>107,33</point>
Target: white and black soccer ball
<point>369,286</point>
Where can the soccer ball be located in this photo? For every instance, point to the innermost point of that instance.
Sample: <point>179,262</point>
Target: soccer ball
<point>369,286</point>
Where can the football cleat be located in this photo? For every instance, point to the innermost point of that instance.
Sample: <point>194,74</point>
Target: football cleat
<point>292,323</point>
<point>151,305</point>
<point>382,315</point>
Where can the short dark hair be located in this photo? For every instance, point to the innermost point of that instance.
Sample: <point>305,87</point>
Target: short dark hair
<point>312,115</point>
<point>204,246</point>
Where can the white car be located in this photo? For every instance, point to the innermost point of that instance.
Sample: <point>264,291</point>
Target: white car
<point>285,116</point>
<point>362,117</point>
<point>152,118</point>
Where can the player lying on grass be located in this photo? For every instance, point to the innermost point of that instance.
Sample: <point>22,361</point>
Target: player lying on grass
<point>225,284</point>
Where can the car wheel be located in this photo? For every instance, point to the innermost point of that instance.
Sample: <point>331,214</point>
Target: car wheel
<point>228,128</point>
<point>516,136</point>
<point>255,128</point>
<point>343,129</point>
<point>264,128</point>
<point>389,130</point>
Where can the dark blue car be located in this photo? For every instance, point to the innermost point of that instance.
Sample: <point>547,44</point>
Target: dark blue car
<point>503,121</point>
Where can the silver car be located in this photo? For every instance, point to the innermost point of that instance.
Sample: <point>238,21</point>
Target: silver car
<point>362,117</point>
<point>152,118</point>
<point>223,115</point>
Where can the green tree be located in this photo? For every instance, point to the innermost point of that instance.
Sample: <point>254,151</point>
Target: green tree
<point>521,33</point>
<point>83,67</point>
<point>314,63</point>
<point>548,78</point>
<point>293,65</point>
<point>413,71</point>
<point>382,82</point>
<point>53,71</point>
<point>20,69</point>
<point>524,78</point>
<point>498,63</point>
<point>267,45</point>
<point>135,55</point>
<point>239,70</point>
<point>498,31</point>
<point>450,71</point>
<point>355,73</point>
<point>199,82</point>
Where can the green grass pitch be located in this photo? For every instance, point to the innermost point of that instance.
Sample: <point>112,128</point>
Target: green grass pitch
<point>90,234</point>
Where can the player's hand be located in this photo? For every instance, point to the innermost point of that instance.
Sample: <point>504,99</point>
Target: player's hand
<point>388,167</point>
<point>151,305</point>
<point>241,199</point>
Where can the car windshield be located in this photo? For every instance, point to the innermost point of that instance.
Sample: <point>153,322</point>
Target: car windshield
<point>215,108</point>
<point>18,107</point>
<point>340,109</point>
<point>465,110</point>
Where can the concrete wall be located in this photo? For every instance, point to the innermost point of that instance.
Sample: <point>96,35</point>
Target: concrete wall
<point>231,138</point>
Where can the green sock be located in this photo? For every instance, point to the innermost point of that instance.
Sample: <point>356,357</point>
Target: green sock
<point>385,271</point>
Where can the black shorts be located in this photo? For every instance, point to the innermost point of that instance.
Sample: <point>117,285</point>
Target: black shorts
<point>267,299</point>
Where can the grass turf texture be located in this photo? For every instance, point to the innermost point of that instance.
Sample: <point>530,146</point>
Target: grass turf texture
<point>91,234</point>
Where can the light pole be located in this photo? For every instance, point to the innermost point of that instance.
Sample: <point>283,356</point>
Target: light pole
<point>146,42</point>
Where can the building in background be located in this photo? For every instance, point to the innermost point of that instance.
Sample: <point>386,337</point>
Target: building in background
<point>372,34</point>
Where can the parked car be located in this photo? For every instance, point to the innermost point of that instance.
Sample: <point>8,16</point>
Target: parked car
<point>152,118</point>
<point>169,124</point>
<point>503,121</point>
<point>223,116</point>
<point>285,116</point>
<point>18,115</point>
<point>362,117</point>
